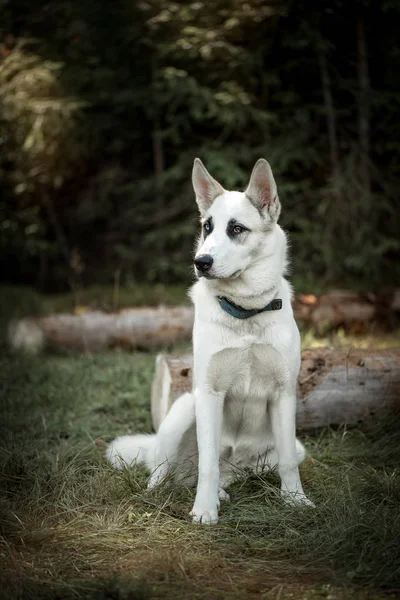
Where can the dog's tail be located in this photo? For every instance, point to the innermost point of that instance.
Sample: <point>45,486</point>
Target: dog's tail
<point>127,450</point>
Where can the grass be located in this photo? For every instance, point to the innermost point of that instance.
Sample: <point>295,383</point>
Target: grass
<point>73,528</point>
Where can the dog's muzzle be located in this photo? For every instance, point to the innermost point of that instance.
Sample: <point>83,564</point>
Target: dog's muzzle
<point>204,263</point>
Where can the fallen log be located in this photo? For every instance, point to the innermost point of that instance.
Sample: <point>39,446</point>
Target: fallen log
<point>149,327</point>
<point>335,387</point>
<point>91,331</point>
<point>352,311</point>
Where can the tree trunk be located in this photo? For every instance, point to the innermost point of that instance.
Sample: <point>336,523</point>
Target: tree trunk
<point>61,238</point>
<point>158,152</point>
<point>330,116</point>
<point>334,387</point>
<point>363,111</point>
<point>329,113</point>
<point>159,166</point>
<point>57,226</point>
<point>159,206</point>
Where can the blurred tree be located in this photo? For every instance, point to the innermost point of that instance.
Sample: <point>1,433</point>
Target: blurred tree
<point>103,108</point>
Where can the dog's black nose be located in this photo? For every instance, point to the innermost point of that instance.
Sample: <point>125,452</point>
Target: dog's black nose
<point>204,263</point>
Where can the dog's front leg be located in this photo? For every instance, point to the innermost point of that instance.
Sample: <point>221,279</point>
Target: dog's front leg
<point>283,421</point>
<point>209,408</point>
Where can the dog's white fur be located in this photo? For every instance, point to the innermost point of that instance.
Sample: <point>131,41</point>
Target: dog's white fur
<point>241,413</point>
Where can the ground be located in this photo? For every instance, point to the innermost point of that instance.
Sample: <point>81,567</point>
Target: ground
<point>74,528</point>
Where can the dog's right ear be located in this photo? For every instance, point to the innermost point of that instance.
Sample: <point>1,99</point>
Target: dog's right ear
<point>205,187</point>
<point>262,191</point>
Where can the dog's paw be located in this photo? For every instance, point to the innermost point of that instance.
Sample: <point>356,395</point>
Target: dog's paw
<point>296,499</point>
<point>223,495</point>
<point>205,516</point>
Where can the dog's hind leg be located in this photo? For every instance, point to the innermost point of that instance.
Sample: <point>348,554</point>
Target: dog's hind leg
<point>223,495</point>
<point>158,452</point>
<point>172,430</point>
<point>270,459</point>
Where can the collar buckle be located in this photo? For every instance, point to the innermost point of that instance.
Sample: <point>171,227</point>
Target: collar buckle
<point>275,304</point>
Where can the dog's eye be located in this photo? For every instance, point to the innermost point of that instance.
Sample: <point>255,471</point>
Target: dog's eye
<point>238,229</point>
<point>207,227</point>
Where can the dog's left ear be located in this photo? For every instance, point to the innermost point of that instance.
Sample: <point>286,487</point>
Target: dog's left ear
<point>262,191</point>
<point>205,187</point>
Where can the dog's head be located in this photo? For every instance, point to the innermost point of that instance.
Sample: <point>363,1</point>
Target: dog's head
<point>235,225</point>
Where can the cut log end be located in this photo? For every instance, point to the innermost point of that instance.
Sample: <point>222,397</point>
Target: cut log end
<point>172,378</point>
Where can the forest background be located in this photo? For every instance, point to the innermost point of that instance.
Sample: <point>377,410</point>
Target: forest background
<point>103,107</point>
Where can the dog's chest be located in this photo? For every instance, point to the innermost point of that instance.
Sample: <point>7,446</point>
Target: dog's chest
<point>245,429</point>
<point>259,376</point>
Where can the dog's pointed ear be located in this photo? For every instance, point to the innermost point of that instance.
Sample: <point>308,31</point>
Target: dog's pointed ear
<point>205,186</point>
<point>262,191</point>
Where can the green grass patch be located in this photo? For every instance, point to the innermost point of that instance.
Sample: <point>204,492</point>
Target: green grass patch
<point>72,527</point>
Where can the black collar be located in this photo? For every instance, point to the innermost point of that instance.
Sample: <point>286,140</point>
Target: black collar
<point>243,313</point>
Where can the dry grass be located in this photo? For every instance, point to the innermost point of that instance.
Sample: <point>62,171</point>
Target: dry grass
<point>375,339</point>
<point>73,528</point>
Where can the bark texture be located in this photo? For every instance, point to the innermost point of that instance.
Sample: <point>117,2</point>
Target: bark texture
<point>334,387</point>
<point>93,331</point>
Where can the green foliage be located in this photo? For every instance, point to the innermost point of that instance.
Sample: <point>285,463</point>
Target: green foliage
<point>103,108</point>
<point>38,121</point>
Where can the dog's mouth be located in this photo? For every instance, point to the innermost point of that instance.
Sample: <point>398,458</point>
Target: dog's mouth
<point>211,275</point>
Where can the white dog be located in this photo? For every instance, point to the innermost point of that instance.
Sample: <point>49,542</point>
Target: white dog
<point>241,413</point>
